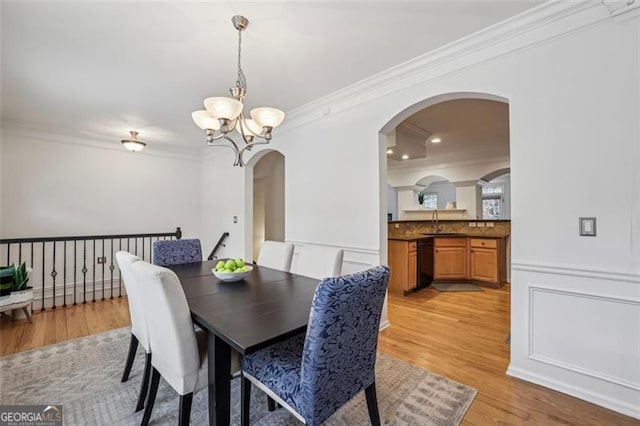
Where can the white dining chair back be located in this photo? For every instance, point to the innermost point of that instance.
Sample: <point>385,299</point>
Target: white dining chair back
<point>276,255</point>
<point>171,333</point>
<point>138,323</point>
<point>318,262</point>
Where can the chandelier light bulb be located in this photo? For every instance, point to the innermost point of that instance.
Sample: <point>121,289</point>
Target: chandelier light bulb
<point>251,128</point>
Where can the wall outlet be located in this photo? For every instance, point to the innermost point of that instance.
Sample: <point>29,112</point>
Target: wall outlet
<point>480,224</point>
<point>472,224</point>
<point>396,225</point>
<point>102,260</point>
<point>235,219</point>
<point>490,225</point>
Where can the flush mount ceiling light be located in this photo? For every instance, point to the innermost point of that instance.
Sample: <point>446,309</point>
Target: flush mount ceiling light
<point>226,114</point>
<point>436,140</point>
<point>405,157</point>
<point>389,151</point>
<point>133,144</point>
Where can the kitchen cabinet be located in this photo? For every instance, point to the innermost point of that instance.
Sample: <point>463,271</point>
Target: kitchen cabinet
<point>450,258</point>
<point>403,262</point>
<point>487,260</point>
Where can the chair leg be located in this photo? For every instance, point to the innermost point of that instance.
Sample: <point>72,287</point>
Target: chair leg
<point>372,404</point>
<point>185,409</point>
<point>144,386</point>
<point>153,391</point>
<point>271,403</point>
<point>245,394</point>
<point>133,346</point>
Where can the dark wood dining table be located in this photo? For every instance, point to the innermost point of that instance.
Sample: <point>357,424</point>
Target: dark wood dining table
<point>267,306</point>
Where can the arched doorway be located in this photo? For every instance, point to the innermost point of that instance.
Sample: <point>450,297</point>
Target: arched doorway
<point>268,210</point>
<point>459,199</point>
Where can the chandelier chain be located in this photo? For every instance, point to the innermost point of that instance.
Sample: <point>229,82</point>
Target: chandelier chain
<point>241,81</point>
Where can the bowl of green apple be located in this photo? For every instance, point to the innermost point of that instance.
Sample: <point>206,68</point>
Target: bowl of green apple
<point>232,270</point>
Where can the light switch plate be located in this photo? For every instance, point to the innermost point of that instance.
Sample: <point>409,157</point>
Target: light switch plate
<point>587,226</point>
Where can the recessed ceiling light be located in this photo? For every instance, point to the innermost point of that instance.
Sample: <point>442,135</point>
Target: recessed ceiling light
<point>405,157</point>
<point>389,151</point>
<point>436,140</point>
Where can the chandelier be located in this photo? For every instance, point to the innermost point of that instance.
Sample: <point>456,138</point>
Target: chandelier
<point>226,114</point>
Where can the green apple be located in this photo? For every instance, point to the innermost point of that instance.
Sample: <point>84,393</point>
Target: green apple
<point>230,264</point>
<point>220,264</point>
<point>239,262</point>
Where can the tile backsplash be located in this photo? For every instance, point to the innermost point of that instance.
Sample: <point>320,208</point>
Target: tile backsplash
<point>419,227</point>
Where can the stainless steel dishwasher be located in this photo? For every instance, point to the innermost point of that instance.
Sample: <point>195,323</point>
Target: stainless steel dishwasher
<point>425,262</point>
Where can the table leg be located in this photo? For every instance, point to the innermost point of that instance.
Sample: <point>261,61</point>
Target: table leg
<point>219,364</point>
<point>27,313</point>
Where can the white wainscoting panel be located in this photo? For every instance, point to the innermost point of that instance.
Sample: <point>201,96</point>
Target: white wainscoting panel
<point>577,331</point>
<point>586,333</point>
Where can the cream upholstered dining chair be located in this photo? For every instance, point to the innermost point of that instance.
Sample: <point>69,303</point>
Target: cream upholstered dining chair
<point>138,324</point>
<point>179,352</point>
<point>276,255</point>
<point>318,262</point>
<point>314,374</point>
<point>173,252</point>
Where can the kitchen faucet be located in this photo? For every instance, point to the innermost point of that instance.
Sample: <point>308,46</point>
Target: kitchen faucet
<point>434,221</point>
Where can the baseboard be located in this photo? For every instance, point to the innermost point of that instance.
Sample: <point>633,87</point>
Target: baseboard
<point>584,394</point>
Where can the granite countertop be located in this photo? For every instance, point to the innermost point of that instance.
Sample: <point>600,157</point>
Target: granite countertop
<point>427,236</point>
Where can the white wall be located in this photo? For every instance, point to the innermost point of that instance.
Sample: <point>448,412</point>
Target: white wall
<point>56,185</point>
<point>392,202</point>
<point>572,83</point>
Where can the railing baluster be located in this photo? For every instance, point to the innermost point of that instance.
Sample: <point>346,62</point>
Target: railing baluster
<point>103,262</point>
<point>84,272</point>
<point>75,279</point>
<point>142,248</point>
<point>93,297</point>
<point>136,244</point>
<point>119,272</point>
<point>19,253</point>
<point>43,244</point>
<point>64,277</point>
<point>8,253</point>
<point>111,268</point>
<point>54,274</point>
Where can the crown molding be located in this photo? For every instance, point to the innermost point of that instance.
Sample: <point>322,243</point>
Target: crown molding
<point>551,20</point>
<point>93,140</point>
<point>419,165</point>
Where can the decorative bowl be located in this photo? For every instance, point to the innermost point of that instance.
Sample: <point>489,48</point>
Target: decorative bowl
<point>231,277</point>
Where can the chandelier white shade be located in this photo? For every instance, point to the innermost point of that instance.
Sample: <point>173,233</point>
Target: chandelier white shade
<point>204,120</point>
<point>226,115</point>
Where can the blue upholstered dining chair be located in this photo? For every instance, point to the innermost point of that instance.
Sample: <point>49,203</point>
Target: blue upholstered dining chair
<point>313,376</point>
<point>173,252</point>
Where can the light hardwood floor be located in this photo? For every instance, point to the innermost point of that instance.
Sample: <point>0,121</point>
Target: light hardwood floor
<point>459,335</point>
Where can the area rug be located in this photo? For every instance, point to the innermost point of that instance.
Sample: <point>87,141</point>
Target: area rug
<point>84,376</point>
<point>456,287</point>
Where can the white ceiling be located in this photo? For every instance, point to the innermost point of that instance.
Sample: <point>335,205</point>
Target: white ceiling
<point>468,128</point>
<point>108,67</point>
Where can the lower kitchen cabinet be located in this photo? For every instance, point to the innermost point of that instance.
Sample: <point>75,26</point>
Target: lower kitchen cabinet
<point>487,260</point>
<point>450,259</point>
<point>403,262</point>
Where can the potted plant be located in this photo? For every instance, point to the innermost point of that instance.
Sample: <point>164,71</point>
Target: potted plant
<point>13,278</point>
